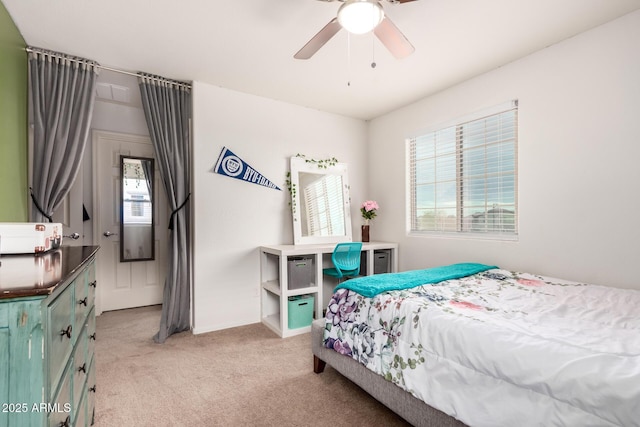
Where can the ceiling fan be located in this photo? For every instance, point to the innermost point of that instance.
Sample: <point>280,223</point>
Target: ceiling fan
<point>359,17</point>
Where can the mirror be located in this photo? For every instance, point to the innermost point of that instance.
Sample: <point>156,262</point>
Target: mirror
<point>136,212</point>
<point>320,202</point>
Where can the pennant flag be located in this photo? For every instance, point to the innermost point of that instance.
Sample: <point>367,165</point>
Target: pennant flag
<point>233,166</point>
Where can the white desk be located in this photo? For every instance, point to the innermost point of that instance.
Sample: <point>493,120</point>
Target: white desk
<point>275,292</point>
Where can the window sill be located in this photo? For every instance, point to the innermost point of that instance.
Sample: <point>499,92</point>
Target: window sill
<point>464,236</point>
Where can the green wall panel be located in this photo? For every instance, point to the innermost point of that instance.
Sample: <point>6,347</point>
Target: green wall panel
<point>13,122</point>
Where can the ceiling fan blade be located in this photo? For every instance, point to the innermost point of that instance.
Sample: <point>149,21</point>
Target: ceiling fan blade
<point>393,39</point>
<point>319,40</point>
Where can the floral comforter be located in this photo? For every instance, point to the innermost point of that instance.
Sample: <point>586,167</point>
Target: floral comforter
<point>501,348</point>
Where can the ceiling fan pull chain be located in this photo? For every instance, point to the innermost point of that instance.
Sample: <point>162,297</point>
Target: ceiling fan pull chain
<point>373,52</point>
<point>348,59</point>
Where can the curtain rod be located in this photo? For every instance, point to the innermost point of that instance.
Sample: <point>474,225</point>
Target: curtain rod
<point>115,70</point>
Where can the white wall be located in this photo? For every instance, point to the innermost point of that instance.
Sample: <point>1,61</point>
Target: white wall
<point>233,218</point>
<point>578,171</point>
<point>579,154</point>
<point>112,117</point>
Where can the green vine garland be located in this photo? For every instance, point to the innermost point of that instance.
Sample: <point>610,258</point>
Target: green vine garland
<point>322,164</point>
<point>137,169</point>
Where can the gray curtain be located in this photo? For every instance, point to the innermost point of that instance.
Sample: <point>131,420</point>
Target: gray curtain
<point>61,90</point>
<point>148,176</point>
<point>167,108</point>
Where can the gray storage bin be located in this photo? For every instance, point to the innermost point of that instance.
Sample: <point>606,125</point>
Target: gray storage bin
<point>381,262</point>
<point>300,272</point>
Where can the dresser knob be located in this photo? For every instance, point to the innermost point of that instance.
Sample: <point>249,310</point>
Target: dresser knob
<point>92,336</point>
<point>66,422</point>
<point>83,368</point>
<point>83,301</point>
<point>66,332</point>
<point>92,389</point>
<point>94,284</point>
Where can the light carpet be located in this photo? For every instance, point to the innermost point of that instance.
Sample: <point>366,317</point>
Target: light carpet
<point>244,376</point>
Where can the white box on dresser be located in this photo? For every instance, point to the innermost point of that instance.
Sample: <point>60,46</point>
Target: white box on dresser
<point>29,237</point>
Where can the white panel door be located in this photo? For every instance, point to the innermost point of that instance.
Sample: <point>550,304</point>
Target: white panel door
<point>124,284</point>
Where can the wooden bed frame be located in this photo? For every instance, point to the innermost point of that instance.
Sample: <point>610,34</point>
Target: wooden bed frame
<point>414,410</point>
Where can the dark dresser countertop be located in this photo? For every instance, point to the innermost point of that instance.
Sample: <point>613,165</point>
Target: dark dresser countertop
<point>32,275</point>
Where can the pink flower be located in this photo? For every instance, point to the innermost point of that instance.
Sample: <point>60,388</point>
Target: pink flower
<point>370,205</point>
<point>530,282</point>
<point>465,304</point>
<point>368,209</point>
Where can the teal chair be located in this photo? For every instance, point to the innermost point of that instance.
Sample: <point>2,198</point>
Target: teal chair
<point>346,261</point>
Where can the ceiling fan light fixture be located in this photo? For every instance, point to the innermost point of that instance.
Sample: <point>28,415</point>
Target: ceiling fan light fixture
<point>360,16</point>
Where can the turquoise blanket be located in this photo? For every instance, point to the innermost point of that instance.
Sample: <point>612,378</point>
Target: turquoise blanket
<point>370,286</point>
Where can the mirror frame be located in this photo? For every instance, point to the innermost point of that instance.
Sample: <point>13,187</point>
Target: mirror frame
<point>153,216</point>
<point>299,165</point>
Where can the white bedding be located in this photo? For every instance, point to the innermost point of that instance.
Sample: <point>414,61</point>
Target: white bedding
<point>501,348</point>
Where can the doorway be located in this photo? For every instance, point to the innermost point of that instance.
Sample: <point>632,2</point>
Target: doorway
<point>124,284</point>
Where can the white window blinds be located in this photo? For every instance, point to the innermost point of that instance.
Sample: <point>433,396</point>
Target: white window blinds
<point>463,177</point>
<point>325,212</point>
<point>136,206</point>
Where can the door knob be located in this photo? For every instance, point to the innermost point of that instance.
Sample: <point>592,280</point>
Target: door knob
<point>109,234</point>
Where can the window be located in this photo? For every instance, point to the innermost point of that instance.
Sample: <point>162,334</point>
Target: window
<point>463,177</point>
<point>325,211</point>
<point>136,203</point>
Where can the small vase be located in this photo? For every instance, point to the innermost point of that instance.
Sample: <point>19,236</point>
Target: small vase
<point>365,233</point>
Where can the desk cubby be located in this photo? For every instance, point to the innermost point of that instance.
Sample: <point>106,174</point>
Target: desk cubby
<point>275,288</point>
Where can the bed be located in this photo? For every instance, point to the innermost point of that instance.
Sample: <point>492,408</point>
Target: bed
<point>483,346</point>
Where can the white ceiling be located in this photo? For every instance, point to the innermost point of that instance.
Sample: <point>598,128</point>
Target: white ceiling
<point>248,45</point>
